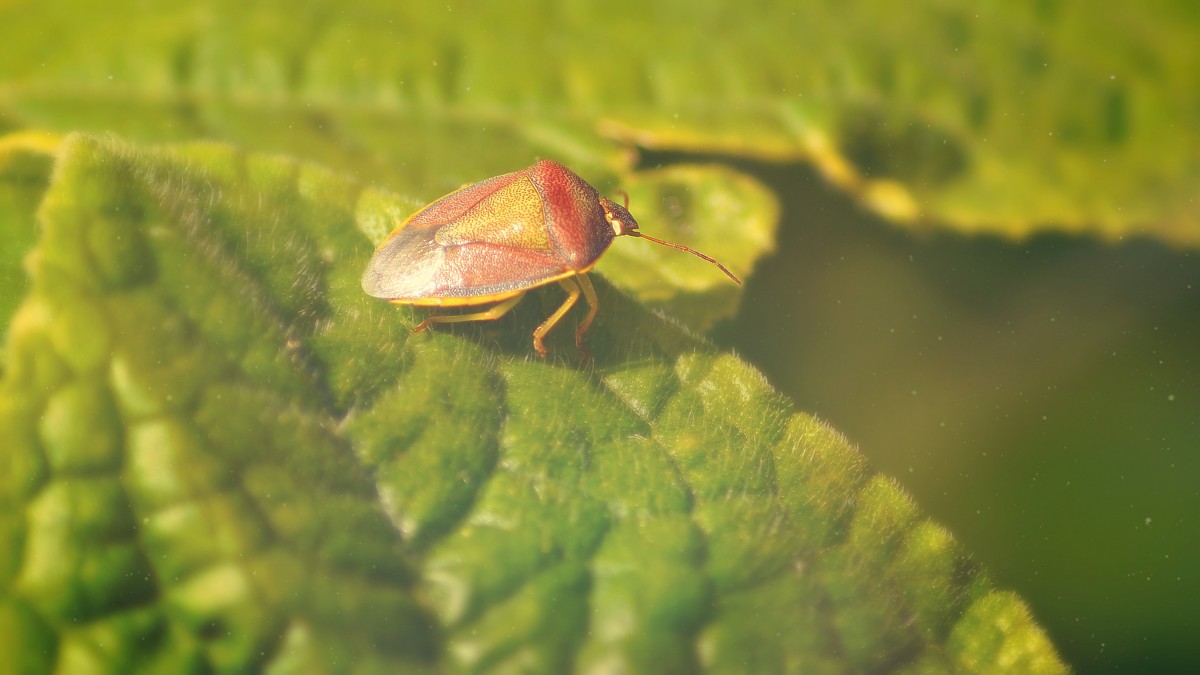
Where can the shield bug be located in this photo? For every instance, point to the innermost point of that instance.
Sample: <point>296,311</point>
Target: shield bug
<point>492,241</point>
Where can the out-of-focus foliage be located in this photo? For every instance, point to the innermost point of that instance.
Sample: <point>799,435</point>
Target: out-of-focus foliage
<point>985,116</point>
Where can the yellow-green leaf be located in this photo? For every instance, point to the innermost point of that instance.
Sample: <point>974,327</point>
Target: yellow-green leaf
<point>995,117</point>
<point>234,460</point>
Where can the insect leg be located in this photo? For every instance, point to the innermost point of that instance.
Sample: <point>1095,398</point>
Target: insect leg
<point>491,314</point>
<point>593,302</point>
<point>572,287</point>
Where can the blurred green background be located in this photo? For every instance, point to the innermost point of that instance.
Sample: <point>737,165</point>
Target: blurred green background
<point>986,273</point>
<point>1039,397</point>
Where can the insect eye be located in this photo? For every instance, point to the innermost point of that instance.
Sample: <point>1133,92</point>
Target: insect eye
<point>617,224</point>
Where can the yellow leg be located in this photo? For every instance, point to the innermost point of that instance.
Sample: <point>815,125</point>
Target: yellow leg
<point>495,312</point>
<point>593,302</point>
<point>573,289</point>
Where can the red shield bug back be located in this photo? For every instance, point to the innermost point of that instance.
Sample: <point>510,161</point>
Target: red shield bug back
<point>490,242</point>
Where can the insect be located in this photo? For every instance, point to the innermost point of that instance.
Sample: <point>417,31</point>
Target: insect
<point>492,241</point>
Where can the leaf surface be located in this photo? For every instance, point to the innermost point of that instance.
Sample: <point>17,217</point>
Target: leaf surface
<point>214,460</point>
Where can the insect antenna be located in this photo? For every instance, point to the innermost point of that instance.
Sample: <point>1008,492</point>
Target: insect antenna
<point>681,247</point>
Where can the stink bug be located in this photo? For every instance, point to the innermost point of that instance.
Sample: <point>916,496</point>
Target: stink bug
<point>492,241</point>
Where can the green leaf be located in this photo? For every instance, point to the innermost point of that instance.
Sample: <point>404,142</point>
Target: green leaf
<point>708,207</point>
<point>217,454</point>
<point>25,161</point>
<point>1006,118</point>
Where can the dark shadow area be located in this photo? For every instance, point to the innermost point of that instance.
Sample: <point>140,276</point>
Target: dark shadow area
<point>1037,397</point>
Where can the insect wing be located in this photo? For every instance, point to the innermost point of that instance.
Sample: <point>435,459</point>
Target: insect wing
<point>483,242</point>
